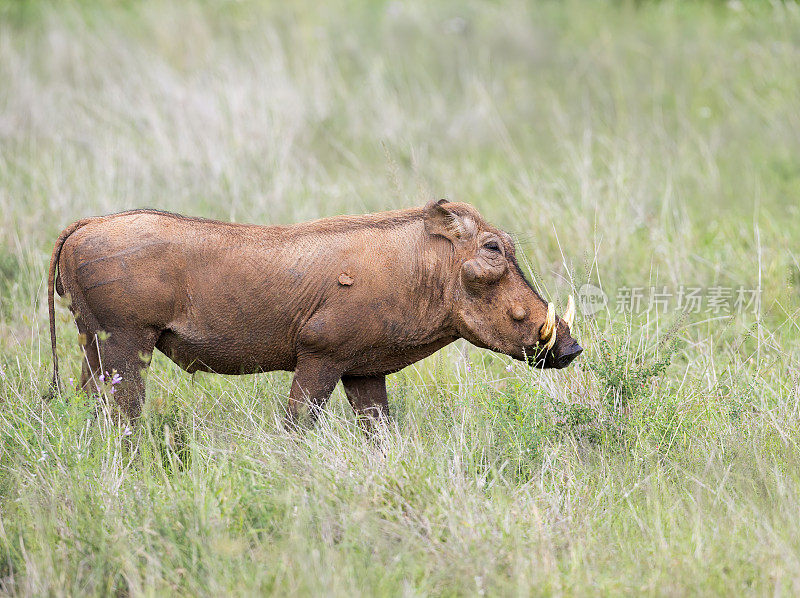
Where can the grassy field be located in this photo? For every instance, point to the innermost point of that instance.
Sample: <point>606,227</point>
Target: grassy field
<point>625,145</point>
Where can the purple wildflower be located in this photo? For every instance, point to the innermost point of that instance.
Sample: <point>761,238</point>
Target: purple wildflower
<point>116,379</point>
<point>127,431</point>
<point>509,368</point>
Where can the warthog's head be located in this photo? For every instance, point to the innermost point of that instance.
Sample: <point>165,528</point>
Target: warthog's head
<point>494,306</point>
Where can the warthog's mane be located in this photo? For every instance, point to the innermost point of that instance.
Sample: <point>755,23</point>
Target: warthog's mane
<point>330,224</point>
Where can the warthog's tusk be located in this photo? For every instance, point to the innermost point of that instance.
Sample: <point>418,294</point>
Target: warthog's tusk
<point>550,321</point>
<point>569,315</point>
<point>549,344</point>
<point>548,335</point>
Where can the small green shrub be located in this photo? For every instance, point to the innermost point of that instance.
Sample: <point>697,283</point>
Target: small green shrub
<point>625,378</point>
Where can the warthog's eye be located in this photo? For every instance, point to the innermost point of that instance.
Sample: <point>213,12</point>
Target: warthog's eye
<point>492,246</point>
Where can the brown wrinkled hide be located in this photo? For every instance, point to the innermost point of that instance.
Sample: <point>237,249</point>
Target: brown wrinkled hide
<point>348,298</point>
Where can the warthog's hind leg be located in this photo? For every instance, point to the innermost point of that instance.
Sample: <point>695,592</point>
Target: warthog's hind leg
<point>367,396</point>
<point>90,372</point>
<point>128,354</point>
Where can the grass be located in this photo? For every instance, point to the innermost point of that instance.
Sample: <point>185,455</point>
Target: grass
<point>649,144</point>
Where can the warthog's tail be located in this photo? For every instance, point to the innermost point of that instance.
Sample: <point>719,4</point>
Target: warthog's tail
<point>55,385</point>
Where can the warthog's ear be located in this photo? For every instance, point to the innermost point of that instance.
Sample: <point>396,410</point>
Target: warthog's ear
<point>445,223</point>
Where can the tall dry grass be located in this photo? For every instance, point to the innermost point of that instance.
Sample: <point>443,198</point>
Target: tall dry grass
<point>624,144</point>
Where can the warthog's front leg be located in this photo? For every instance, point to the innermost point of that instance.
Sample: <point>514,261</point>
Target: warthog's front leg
<point>367,396</point>
<point>314,381</point>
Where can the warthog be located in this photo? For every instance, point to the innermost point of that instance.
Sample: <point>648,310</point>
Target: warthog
<point>350,298</point>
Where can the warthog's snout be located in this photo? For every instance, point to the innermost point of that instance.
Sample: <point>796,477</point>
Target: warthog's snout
<point>559,357</point>
<point>568,356</point>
